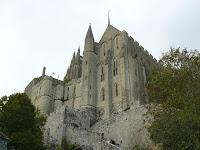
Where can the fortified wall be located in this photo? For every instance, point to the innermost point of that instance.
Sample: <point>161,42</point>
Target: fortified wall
<point>126,128</point>
<point>103,94</point>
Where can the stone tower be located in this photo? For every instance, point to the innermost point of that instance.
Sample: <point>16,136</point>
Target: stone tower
<point>89,77</point>
<point>107,79</point>
<point>89,71</point>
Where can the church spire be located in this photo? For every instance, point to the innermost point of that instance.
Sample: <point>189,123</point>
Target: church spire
<point>109,17</point>
<point>89,40</point>
<point>72,61</point>
<point>79,49</point>
<point>89,32</point>
<point>77,56</point>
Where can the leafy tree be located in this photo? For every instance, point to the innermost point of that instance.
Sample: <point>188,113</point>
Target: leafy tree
<point>175,86</point>
<point>21,122</point>
<point>176,79</point>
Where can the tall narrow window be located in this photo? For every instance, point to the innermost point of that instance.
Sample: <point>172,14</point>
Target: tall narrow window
<point>102,74</point>
<point>117,42</point>
<point>68,93</point>
<point>115,68</point>
<point>103,94</point>
<point>136,73</point>
<point>116,89</point>
<point>104,50</point>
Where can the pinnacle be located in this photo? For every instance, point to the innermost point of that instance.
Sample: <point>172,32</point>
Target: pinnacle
<point>79,49</point>
<point>89,32</point>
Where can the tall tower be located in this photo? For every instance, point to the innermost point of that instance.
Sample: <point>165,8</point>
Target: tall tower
<point>89,72</point>
<point>89,78</point>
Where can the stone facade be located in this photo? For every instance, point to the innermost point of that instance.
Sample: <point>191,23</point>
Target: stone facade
<point>98,90</point>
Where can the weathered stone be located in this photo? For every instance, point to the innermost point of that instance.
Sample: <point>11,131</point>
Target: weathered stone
<point>104,92</point>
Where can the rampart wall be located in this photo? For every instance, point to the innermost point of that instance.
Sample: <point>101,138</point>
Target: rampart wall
<point>126,128</point>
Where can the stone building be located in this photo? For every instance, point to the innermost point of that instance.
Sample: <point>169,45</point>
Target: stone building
<point>106,81</point>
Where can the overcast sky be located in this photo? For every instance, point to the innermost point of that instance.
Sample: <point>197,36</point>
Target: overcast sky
<point>38,33</point>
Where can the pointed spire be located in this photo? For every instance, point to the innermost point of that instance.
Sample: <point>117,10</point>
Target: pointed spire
<point>109,17</point>
<point>89,40</point>
<point>89,32</point>
<point>78,57</point>
<point>79,49</point>
<point>73,60</point>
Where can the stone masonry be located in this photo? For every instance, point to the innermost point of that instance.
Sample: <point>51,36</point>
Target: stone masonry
<point>103,92</point>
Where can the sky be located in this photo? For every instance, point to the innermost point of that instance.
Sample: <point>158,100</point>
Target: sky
<point>38,33</point>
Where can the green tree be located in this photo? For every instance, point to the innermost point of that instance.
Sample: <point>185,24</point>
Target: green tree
<point>175,86</point>
<point>21,122</point>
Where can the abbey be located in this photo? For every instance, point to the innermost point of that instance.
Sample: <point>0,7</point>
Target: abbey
<point>106,81</point>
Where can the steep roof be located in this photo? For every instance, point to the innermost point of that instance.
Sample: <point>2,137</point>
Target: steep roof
<point>3,136</point>
<point>109,32</point>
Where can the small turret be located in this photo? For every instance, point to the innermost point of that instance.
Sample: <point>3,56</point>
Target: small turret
<point>89,41</point>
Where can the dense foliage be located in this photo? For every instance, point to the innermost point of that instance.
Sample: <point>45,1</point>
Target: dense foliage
<point>21,122</point>
<point>175,85</point>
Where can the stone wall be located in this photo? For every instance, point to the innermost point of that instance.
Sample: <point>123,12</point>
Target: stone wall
<point>127,128</point>
<point>133,66</point>
<point>107,146</point>
<point>72,94</point>
<point>54,129</point>
<point>75,105</point>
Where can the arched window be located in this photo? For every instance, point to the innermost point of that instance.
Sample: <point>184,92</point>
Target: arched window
<point>115,68</point>
<point>103,94</point>
<point>116,89</point>
<point>104,50</point>
<point>117,42</point>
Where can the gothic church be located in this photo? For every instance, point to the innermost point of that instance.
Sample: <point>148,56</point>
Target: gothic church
<point>106,80</point>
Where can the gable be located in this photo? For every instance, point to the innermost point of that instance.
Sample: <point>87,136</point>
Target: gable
<point>110,32</point>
